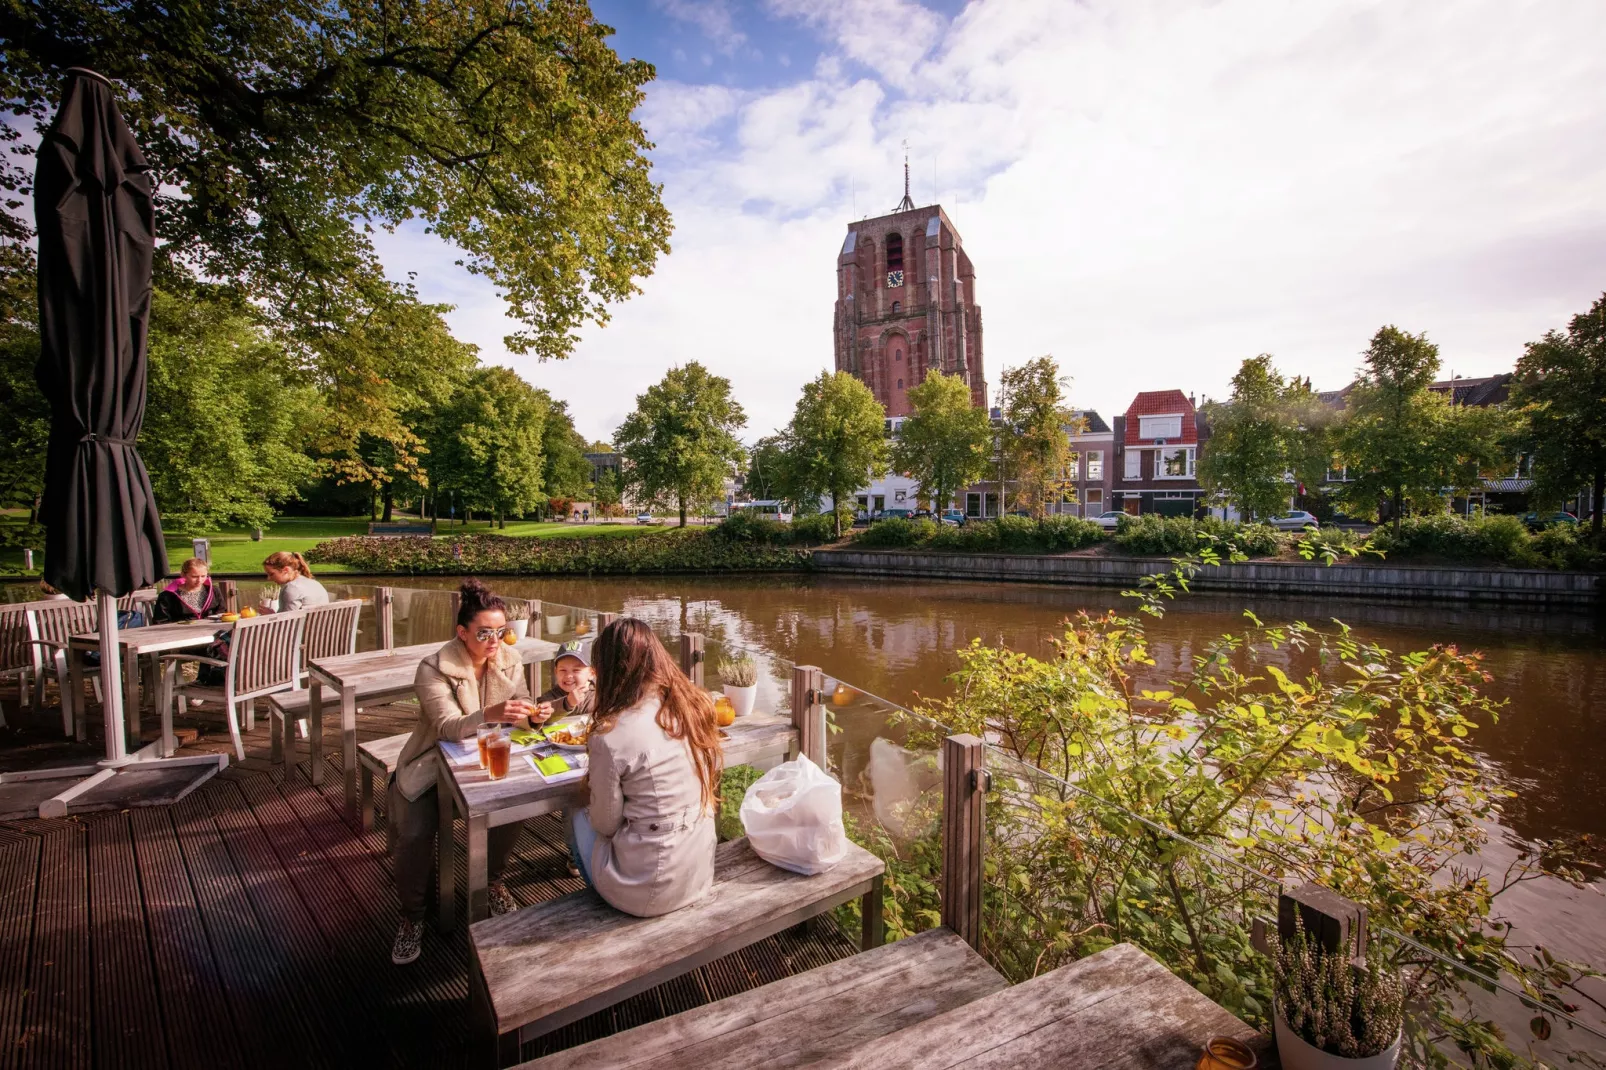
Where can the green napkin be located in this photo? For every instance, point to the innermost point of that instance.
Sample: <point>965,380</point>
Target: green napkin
<point>552,765</point>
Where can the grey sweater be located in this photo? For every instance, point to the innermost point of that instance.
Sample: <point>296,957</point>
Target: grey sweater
<point>300,593</point>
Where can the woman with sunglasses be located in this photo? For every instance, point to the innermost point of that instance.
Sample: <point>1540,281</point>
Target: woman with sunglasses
<point>474,678</point>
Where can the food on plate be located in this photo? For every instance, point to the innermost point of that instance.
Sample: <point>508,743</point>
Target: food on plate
<point>569,736</point>
<point>229,617</point>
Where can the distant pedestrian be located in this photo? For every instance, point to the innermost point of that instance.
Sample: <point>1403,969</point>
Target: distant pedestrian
<point>585,516</point>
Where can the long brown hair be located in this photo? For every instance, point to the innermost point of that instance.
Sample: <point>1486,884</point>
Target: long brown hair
<point>631,663</point>
<point>289,559</point>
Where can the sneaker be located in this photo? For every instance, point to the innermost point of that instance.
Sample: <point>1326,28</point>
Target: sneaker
<point>502,901</point>
<point>574,870</point>
<point>409,942</point>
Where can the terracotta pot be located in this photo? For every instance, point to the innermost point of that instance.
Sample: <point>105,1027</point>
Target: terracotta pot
<point>1296,1054</point>
<point>741,697</point>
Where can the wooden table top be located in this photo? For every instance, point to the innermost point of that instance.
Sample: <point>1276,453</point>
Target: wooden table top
<point>393,670</point>
<point>156,638</point>
<point>756,735</point>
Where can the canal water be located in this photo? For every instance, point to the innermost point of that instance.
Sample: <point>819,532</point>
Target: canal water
<point>896,639</point>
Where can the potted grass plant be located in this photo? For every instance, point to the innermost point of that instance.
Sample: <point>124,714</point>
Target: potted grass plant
<point>1332,1013</point>
<point>738,676</point>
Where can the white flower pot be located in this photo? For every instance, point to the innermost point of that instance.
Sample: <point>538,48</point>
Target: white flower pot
<point>1296,1054</point>
<point>521,628</point>
<point>557,624</point>
<point>741,698</point>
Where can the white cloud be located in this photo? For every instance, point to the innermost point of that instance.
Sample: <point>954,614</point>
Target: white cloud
<point>1150,190</point>
<point>713,17</point>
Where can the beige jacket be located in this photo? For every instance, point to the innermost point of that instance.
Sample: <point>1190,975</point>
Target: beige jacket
<point>449,707</point>
<point>655,843</point>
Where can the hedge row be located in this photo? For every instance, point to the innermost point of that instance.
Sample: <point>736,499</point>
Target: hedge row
<point>1009,534</point>
<point>1493,539</point>
<point>675,551</point>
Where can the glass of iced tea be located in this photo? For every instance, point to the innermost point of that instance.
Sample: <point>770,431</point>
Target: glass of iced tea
<point>498,749</point>
<point>481,735</point>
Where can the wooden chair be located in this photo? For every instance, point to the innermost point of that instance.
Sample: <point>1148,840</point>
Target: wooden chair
<point>264,658</point>
<point>50,625</point>
<point>18,657</point>
<point>331,632</point>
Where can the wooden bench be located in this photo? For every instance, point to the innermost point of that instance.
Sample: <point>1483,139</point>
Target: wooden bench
<point>377,759</point>
<point>823,1012</point>
<point>548,965</point>
<point>284,710</point>
<point>379,528</point>
<point>1118,1009</point>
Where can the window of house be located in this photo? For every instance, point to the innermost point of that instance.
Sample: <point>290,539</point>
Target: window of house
<point>894,252</point>
<point>1095,464</point>
<point>1134,463</point>
<point>1160,426</point>
<point>1338,475</point>
<point>900,495</point>
<point>1177,463</point>
<point>1094,497</point>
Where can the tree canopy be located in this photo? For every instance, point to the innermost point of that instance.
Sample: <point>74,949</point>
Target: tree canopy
<point>836,442</point>
<point>565,472</point>
<point>680,442</point>
<point>486,449</point>
<point>1249,452</point>
<point>1561,396</point>
<point>281,132</point>
<point>1034,436</point>
<point>943,444</point>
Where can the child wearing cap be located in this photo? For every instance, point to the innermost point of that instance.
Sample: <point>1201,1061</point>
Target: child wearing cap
<point>573,691</point>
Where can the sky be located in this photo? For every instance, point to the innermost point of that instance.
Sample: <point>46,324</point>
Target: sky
<point>1151,191</point>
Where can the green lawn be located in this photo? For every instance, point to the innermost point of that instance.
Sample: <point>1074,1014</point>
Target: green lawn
<point>234,551</point>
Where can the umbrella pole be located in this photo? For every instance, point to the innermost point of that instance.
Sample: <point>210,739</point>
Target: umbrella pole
<point>111,680</point>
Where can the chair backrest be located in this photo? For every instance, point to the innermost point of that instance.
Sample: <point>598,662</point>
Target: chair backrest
<point>15,652</point>
<point>265,653</point>
<point>55,622</point>
<point>331,630</point>
<point>140,599</point>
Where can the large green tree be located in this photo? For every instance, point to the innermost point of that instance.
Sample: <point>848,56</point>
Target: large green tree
<point>24,414</point>
<point>1561,395</point>
<point>837,440</point>
<point>680,442</point>
<point>565,471</point>
<point>282,132</point>
<point>943,444</point>
<point>1033,433</point>
<point>1248,455</point>
<point>1406,444</point>
<point>485,449</point>
<point>769,471</point>
<point>227,417</point>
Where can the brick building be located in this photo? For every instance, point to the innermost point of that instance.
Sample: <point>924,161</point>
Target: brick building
<point>906,304</point>
<point>1091,475</point>
<point>1157,444</point>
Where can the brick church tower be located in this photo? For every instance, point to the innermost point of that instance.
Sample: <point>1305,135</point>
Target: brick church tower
<point>906,304</point>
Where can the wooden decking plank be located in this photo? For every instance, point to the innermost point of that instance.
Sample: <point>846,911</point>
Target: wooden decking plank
<point>19,884</point>
<point>195,1013</point>
<point>127,1011</point>
<point>321,980</point>
<point>260,980</point>
<point>58,1014</point>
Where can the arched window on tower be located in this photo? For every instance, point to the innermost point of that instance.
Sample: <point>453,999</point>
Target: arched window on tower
<point>894,252</point>
<point>900,384</point>
<point>895,306</point>
<point>897,354</point>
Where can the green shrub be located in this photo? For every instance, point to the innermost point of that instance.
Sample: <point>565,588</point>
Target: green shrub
<point>975,536</point>
<point>744,526</point>
<point>1332,544</point>
<point>1017,534</point>
<point>733,785</point>
<point>672,551</point>
<point>1504,538</point>
<point>814,528</point>
<point>898,533</point>
<point>1152,534</point>
<point>1068,533</point>
<point>1560,546</point>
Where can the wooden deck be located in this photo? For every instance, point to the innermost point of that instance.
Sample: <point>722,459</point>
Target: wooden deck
<point>249,925</point>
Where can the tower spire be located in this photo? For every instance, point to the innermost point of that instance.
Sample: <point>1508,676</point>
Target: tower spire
<point>906,204</point>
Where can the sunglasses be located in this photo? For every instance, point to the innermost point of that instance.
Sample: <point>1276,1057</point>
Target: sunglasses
<point>485,635</point>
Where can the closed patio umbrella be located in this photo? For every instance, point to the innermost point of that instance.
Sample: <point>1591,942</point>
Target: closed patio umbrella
<point>92,204</point>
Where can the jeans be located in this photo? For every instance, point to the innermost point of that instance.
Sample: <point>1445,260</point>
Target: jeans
<point>581,838</point>
<point>416,823</point>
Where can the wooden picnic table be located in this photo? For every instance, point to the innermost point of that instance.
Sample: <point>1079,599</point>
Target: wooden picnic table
<point>374,676</point>
<point>522,794</point>
<point>135,643</point>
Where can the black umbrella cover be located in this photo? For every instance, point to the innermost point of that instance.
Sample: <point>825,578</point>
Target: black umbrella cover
<point>92,203</point>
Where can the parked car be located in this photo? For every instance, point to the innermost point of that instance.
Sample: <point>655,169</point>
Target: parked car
<point>1109,521</point>
<point>1293,520</point>
<point>901,514</point>
<point>1535,521</point>
<point>953,517</point>
<point>644,518</point>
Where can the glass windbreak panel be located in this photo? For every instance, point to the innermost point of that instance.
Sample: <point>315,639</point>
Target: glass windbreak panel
<point>367,617</point>
<point>561,622</point>
<point>1069,875</point>
<point>1492,1016</point>
<point>420,616</point>
<point>756,683</point>
<point>888,761</point>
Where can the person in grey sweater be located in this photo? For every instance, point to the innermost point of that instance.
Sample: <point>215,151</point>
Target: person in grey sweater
<point>297,588</point>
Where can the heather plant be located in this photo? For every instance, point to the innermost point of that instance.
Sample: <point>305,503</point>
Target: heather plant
<point>738,670</point>
<point>1344,1009</point>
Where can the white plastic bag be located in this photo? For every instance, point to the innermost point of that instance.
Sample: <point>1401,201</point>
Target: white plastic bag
<point>793,817</point>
